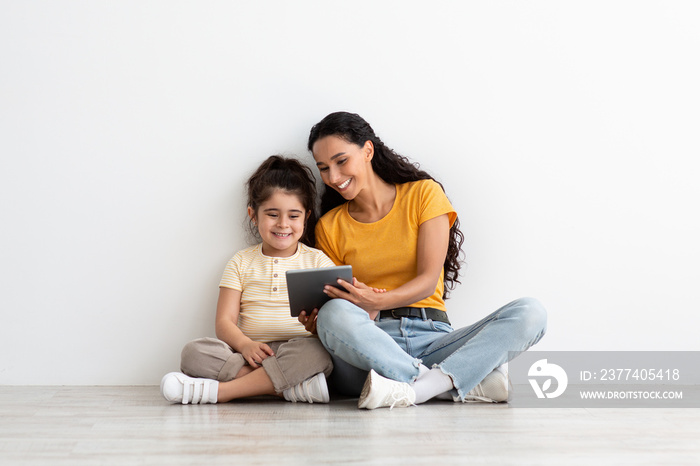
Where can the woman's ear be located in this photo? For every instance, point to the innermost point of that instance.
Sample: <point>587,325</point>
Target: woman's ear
<point>368,150</point>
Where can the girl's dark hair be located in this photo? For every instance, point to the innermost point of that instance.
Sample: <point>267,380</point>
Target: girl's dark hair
<point>288,175</point>
<point>391,167</point>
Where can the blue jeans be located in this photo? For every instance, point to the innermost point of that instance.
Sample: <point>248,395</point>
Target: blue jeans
<point>394,348</point>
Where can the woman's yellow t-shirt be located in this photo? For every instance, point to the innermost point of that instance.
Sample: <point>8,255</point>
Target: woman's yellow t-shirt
<point>383,254</point>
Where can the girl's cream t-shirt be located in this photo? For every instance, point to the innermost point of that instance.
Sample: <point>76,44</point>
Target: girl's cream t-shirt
<point>264,314</point>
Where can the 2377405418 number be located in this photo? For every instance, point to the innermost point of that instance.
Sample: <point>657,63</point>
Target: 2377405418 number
<point>613,375</point>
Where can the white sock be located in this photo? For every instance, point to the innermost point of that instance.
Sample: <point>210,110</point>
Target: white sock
<point>422,370</point>
<point>214,391</point>
<point>431,384</point>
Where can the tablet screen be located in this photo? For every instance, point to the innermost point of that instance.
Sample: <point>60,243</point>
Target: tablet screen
<point>305,286</point>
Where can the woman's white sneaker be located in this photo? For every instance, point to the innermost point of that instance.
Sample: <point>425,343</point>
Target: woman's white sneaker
<point>177,387</point>
<point>493,389</point>
<point>380,392</point>
<point>312,390</point>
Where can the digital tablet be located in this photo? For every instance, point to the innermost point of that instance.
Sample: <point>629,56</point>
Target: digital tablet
<point>305,286</point>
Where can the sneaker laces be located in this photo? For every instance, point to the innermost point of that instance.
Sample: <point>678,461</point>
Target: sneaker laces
<point>401,397</point>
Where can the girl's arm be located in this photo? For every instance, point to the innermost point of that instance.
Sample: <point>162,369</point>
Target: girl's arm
<point>227,310</point>
<point>433,240</point>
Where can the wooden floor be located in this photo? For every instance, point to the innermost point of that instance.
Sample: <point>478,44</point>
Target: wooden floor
<point>134,425</point>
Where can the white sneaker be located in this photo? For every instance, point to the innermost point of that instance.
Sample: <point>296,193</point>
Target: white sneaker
<point>313,390</point>
<point>380,392</point>
<point>493,389</point>
<point>177,387</point>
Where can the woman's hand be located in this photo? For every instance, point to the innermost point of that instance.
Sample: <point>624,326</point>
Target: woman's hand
<point>309,321</point>
<point>361,295</point>
<point>255,353</point>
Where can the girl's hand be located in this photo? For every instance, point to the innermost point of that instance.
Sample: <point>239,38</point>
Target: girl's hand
<point>309,321</point>
<point>359,294</point>
<point>255,353</point>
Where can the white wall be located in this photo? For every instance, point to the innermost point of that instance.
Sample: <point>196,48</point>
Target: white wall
<point>566,134</point>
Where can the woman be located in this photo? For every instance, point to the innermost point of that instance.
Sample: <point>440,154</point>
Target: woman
<point>394,224</point>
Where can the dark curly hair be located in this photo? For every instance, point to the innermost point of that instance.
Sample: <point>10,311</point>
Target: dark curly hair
<point>392,168</point>
<point>290,176</point>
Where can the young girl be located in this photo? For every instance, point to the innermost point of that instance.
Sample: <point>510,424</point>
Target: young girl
<point>394,224</point>
<point>261,349</point>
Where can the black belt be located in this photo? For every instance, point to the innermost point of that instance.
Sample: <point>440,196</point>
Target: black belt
<point>430,313</point>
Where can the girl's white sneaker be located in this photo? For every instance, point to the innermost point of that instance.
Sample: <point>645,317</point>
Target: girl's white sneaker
<point>312,390</point>
<point>177,387</point>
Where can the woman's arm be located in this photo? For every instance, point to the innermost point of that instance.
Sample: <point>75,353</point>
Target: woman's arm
<point>433,240</point>
<point>227,310</point>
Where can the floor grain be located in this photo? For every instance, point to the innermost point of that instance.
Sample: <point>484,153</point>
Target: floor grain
<point>134,425</point>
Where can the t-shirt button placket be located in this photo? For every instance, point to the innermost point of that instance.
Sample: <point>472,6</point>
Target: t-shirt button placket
<point>275,275</point>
